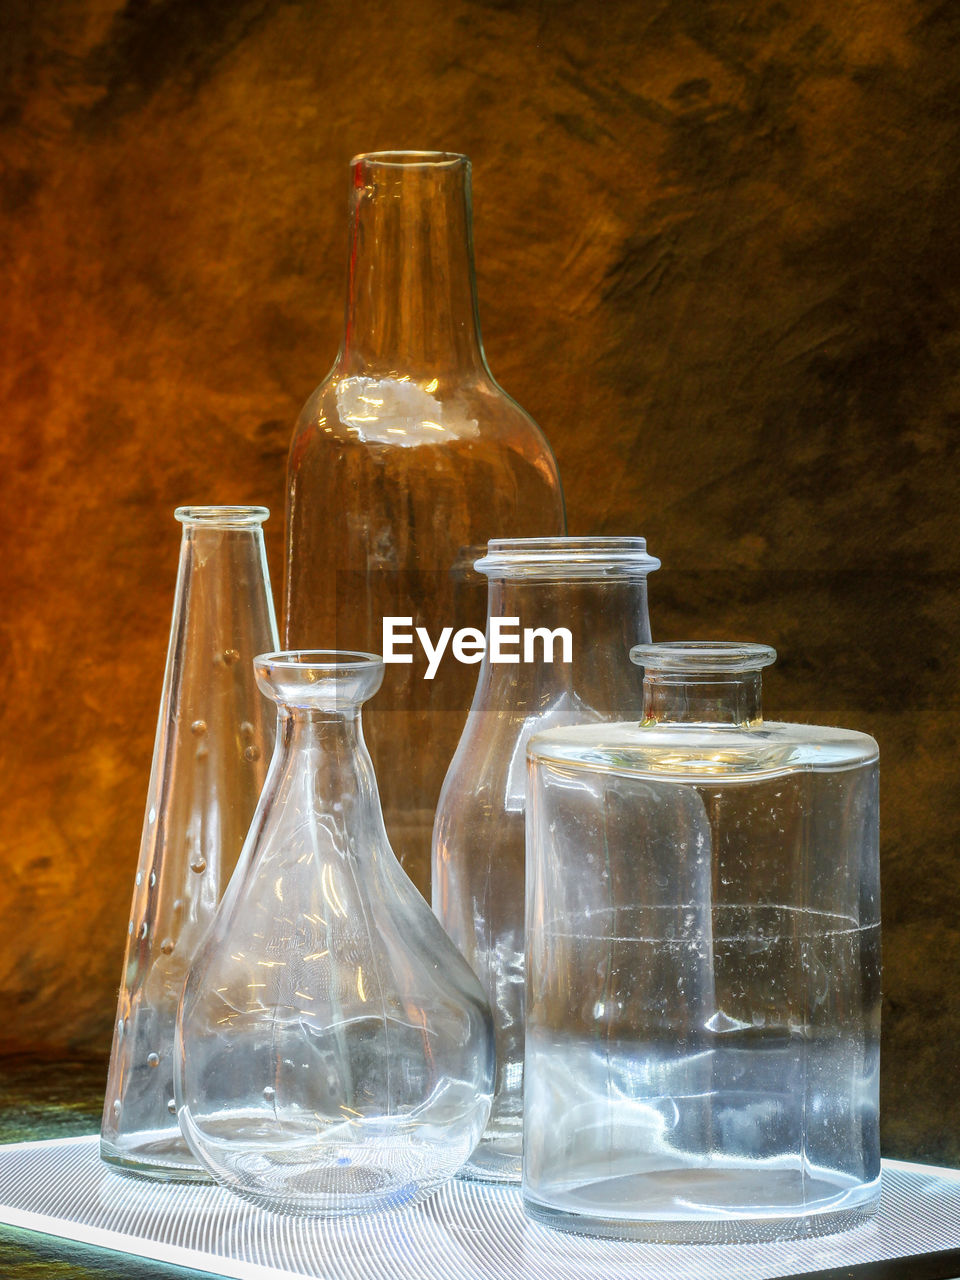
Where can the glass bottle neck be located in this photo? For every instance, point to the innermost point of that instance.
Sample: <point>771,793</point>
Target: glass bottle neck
<point>728,698</point>
<point>411,296</point>
<point>324,756</point>
<point>337,735</point>
<point>601,619</point>
<point>235,538</point>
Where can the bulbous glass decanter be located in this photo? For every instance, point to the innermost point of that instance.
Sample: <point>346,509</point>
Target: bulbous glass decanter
<point>214,739</point>
<point>596,590</point>
<point>703,965</point>
<point>335,1052</point>
<point>405,461</point>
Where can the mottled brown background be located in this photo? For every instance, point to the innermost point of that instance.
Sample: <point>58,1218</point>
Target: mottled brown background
<point>718,260</point>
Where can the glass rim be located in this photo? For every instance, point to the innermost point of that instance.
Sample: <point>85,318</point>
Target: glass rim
<point>222,515</point>
<point>412,159</point>
<point>507,557</point>
<point>329,661</point>
<point>703,656</point>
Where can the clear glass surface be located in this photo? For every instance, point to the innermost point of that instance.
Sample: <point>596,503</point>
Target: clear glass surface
<point>703,966</point>
<point>335,1052</point>
<point>214,739</point>
<point>405,461</point>
<point>597,589</point>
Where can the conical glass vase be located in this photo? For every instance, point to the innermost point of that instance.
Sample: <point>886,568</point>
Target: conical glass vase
<point>335,1052</point>
<point>214,737</point>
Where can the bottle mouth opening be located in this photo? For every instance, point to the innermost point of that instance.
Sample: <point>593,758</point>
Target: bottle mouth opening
<point>411,159</point>
<point>328,681</point>
<point>566,557</point>
<point>324,662</point>
<point>223,517</point>
<point>689,657</point>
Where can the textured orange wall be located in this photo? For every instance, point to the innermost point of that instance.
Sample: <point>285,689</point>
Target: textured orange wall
<point>718,260</point>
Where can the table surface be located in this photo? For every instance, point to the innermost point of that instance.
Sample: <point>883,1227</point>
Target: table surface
<point>45,1097</point>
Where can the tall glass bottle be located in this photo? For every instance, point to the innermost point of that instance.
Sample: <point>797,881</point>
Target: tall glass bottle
<point>214,736</point>
<point>703,965</point>
<point>596,590</point>
<point>406,460</point>
<point>335,1052</point>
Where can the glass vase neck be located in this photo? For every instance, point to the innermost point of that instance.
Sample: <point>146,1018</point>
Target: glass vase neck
<point>694,682</point>
<point>319,684</point>
<point>411,305</point>
<point>320,753</point>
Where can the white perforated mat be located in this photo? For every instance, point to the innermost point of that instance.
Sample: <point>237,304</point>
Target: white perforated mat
<point>465,1232</point>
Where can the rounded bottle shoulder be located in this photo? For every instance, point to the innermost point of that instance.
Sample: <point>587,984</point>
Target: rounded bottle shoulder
<point>361,410</point>
<point>703,750</point>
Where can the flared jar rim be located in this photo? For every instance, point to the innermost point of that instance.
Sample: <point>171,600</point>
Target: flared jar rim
<point>328,681</point>
<point>412,159</point>
<point>326,660</point>
<point>560,557</point>
<point>685,657</point>
<point>223,516</point>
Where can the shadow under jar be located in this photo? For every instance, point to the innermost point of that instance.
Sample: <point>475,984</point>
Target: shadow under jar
<point>703,966</point>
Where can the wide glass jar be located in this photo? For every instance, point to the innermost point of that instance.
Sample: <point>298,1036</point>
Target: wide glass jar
<point>703,965</point>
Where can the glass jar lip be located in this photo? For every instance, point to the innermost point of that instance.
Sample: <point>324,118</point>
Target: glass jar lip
<point>323,661</point>
<point>412,159</point>
<point>320,681</point>
<point>687,657</point>
<point>223,516</point>
<point>566,557</point>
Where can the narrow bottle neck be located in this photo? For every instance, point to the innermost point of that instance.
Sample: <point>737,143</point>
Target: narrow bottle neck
<point>411,296</point>
<point>327,752</point>
<point>337,730</point>
<point>722,699</point>
<point>235,542</point>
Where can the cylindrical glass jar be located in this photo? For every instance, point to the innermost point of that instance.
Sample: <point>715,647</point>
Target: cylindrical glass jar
<point>703,965</point>
<point>405,461</point>
<point>595,591</point>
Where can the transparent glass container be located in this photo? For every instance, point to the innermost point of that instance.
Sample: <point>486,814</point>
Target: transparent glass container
<point>214,738</point>
<point>335,1053</point>
<point>703,965</point>
<point>405,461</point>
<point>595,588</point>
